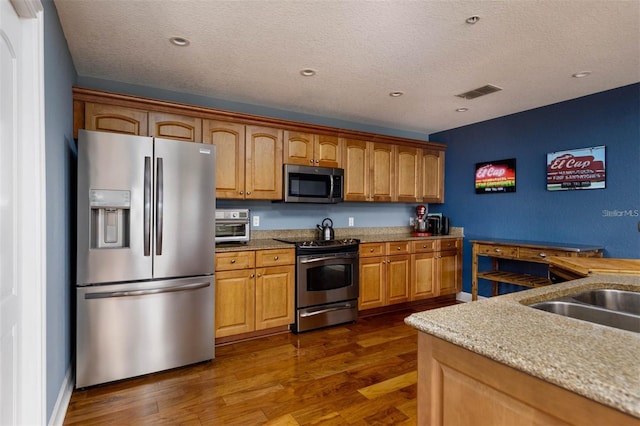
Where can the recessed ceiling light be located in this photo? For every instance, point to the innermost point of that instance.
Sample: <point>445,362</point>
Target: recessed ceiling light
<point>308,72</point>
<point>472,19</point>
<point>396,94</point>
<point>462,109</point>
<point>581,74</point>
<point>179,41</point>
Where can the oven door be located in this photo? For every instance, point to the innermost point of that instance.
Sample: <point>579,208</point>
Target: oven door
<point>326,278</point>
<point>232,231</point>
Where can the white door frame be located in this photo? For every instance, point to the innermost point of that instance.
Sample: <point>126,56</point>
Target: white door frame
<point>31,207</point>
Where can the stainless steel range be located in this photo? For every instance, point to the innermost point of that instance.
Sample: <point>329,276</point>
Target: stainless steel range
<point>327,282</point>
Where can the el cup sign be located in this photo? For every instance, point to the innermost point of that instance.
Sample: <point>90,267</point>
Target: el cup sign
<point>576,169</point>
<point>496,176</point>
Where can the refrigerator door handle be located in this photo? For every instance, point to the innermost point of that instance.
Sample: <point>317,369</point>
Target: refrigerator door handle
<point>147,206</point>
<point>159,205</point>
<point>110,294</point>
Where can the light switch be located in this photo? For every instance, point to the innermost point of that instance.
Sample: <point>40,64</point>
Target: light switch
<point>256,220</point>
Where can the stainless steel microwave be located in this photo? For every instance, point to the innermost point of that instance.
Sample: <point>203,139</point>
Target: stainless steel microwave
<point>308,184</point>
<point>232,226</point>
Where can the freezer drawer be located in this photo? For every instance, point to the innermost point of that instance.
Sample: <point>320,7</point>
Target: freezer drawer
<point>130,329</point>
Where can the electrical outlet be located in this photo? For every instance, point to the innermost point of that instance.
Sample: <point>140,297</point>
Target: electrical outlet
<point>412,220</point>
<point>256,220</point>
<point>350,221</point>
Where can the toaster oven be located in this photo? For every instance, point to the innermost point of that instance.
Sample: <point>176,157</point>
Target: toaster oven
<point>232,226</point>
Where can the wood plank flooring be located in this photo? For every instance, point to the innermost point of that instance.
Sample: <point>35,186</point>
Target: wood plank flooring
<point>360,374</point>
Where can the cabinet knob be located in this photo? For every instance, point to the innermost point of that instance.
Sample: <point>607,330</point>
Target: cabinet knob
<point>248,192</point>
<point>259,275</point>
<point>543,254</point>
<point>241,192</point>
<point>275,257</point>
<point>399,248</point>
<point>317,161</point>
<point>252,276</point>
<point>498,250</point>
<point>311,161</point>
<point>233,261</point>
<point>424,246</point>
<point>371,250</point>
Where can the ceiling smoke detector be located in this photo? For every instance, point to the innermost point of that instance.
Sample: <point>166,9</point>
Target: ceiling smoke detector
<point>480,91</point>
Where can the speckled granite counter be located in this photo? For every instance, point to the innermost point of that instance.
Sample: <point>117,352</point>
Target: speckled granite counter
<point>262,240</point>
<point>600,363</point>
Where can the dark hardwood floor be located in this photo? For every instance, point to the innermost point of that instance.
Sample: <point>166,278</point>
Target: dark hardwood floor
<point>363,374</point>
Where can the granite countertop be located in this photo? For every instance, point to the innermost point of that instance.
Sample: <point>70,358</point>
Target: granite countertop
<point>598,362</point>
<point>264,240</point>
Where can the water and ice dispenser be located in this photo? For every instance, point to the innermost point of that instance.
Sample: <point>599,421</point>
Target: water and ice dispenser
<point>110,223</point>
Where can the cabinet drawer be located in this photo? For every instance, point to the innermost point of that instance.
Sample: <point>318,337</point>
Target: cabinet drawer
<point>372,249</point>
<point>398,247</point>
<point>498,251</point>
<point>449,244</point>
<point>424,246</point>
<point>540,254</point>
<point>235,260</point>
<point>275,257</point>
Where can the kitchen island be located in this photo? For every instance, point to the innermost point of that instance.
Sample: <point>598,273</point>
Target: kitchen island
<point>504,361</point>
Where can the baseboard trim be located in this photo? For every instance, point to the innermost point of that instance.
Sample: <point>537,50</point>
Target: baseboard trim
<point>64,396</point>
<point>466,297</point>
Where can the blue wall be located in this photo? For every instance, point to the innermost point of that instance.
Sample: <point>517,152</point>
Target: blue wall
<point>60,75</point>
<point>610,118</point>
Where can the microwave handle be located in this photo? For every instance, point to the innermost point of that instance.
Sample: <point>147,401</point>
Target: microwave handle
<point>331,187</point>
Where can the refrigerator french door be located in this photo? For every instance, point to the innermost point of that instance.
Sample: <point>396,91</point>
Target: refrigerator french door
<point>145,255</point>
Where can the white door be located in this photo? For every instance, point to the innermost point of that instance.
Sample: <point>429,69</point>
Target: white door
<point>21,230</point>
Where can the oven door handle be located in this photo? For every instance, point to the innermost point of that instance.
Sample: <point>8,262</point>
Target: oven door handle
<point>325,258</point>
<point>324,311</point>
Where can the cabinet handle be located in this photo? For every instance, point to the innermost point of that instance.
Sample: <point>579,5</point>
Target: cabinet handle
<point>233,261</point>
<point>498,250</point>
<point>543,254</point>
<point>275,257</point>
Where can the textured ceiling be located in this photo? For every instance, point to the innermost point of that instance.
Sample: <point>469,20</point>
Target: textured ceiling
<point>253,51</point>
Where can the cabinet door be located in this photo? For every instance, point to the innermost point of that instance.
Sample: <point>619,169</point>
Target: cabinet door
<point>432,176</point>
<point>357,172</point>
<point>327,151</point>
<point>111,118</point>
<point>450,272</point>
<point>264,163</point>
<point>274,296</point>
<point>408,165</point>
<point>372,283</point>
<point>298,148</point>
<point>174,126</point>
<point>235,292</point>
<point>383,172</point>
<point>230,163</point>
<point>423,276</point>
<point>398,278</point>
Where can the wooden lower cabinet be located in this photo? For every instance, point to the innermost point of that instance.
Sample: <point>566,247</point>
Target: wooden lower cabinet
<point>384,280</point>
<point>258,295</point>
<point>436,268</point>
<point>459,387</point>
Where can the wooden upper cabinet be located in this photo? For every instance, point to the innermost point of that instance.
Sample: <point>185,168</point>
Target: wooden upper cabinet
<point>229,139</point>
<point>383,175</point>
<point>307,149</point>
<point>174,126</point>
<point>357,170</point>
<point>432,180</point>
<point>111,118</point>
<point>408,167</point>
<point>264,163</point>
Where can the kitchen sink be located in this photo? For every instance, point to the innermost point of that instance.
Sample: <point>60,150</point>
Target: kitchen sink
<point>613,308</point>
<point>616,300</point>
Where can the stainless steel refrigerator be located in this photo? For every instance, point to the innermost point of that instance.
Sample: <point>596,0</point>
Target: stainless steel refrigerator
<point>145,259</point>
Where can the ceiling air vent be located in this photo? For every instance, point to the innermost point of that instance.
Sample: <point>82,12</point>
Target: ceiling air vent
<point>480,91</point>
